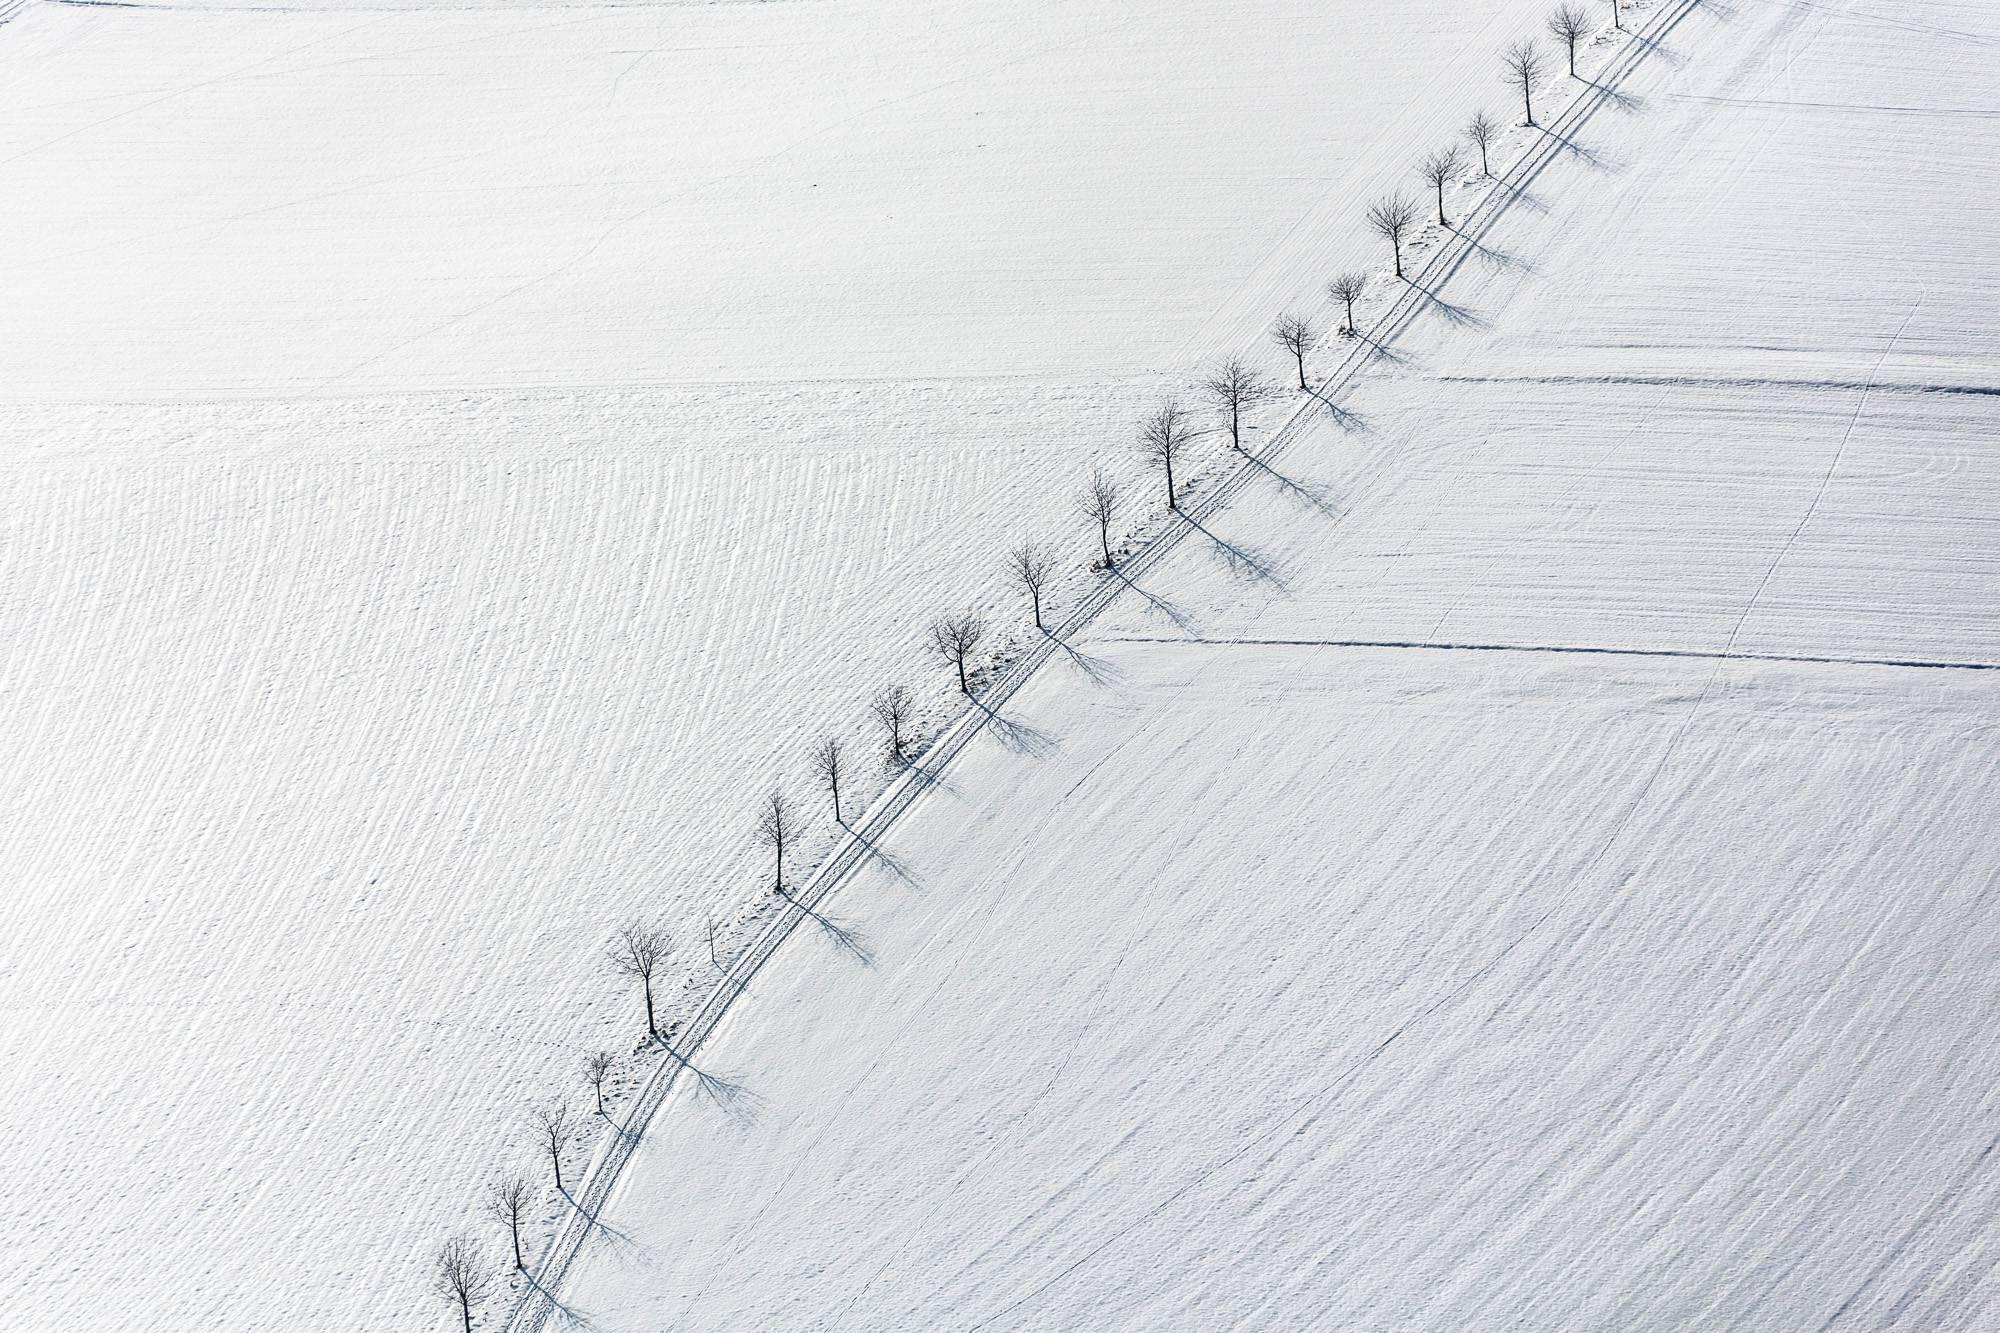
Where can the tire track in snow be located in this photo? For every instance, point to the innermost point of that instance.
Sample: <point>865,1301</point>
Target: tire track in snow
<point>1826,481</point>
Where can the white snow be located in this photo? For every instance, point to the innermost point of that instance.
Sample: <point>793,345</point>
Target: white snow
<point>456,459</point>
<point>1527,863</point>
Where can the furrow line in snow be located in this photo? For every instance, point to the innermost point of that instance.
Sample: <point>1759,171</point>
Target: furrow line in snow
<point>533,1307</point>
<point>1918,663</point>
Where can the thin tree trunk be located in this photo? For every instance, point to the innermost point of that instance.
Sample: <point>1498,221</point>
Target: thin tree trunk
<point>963,688</point>
<point>1104,540</point>
<point>465,1309</point>
<point>1441,221</point>
<point>1036,596</point>
<point>836,804</point>
<point>652,1027</point>
<point>1236,426</point>
<point>1528,101</point>
<point>1397,248</point>
<point>1170,485</point>
<point>515,1227</point>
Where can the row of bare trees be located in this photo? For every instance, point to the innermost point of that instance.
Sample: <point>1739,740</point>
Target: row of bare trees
<point>1233,388</point>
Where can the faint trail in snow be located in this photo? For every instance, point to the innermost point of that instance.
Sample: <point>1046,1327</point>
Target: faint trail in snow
<point>1870,386</point>
<point>1827,480</point>
<point>1589,650</point>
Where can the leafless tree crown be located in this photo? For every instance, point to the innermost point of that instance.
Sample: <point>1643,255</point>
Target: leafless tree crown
<point>1032,567</point>
<point>637,951</point>
<point>1099,504</point>
<point>776,827</point>
<point>892,708</point>
<point>1524,69</point>
<point>551,1125</point>
<point>955,638</point>
<point>1163,437</point>
<point>828,764</point>
<point>774,821</point>
<point>1347,289</point>
<point>1295,334</point>
<point>1482,130</point>
<point>1439,168</point>
<point>506,1203</point>
<point>1392,219</point>
<point>1568,24</point>
<point>1234,388</point>
<point>827,760</point>
<point>458,1276</point>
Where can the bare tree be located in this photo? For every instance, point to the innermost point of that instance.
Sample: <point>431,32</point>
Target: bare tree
<point>1234,387</point>
<point>1347,289</point>
<point>1166,433</point>
<point>1523,64</point>
<point>597,1068</point>
<point>1392,219</point>
<point>506,1203</point>
<point>955,638</point>
<point>1438,168</point>
<point>458,1276</point>
<point>892,709</point>
<point>827,764</point>
<point>1482,129</point>
<point>552,1126</point>
<point>1568,25</point>
<point>1100,506</point>
<point>1617,20</point>
<point>637,951</point>
<point>776,828</point>
<point>1032,567</point>
<point>1298,337</point>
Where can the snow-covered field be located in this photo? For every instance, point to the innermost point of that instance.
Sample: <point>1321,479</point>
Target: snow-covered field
<point>456,459</point>
<point>1526,863</point>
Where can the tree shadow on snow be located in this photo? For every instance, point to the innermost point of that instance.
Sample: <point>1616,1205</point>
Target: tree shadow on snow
<point>1590,157</point>
<point>561,1314</point>
<point>1242,561</point>
<point>927,778</point>
<point>1456,315</point>
<point>1344,417</point>
<point>1494,257</point>
<point>1312,495</point>
<point>887,859</point>
<point>1176,614</point>
<point>1097,670</point>
<point>850,940</point>
<point>1018,736</point>
<point>1629,103</point>
<point>730,1096</point>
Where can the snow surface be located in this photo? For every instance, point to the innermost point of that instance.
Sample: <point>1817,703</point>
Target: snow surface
<point>455,460</point>
<point>1526,863</point>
